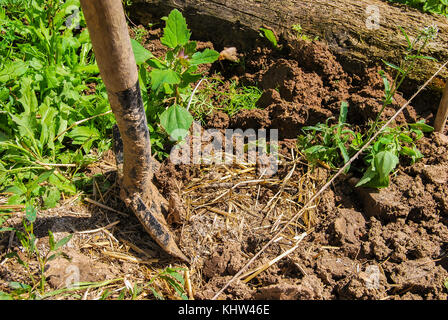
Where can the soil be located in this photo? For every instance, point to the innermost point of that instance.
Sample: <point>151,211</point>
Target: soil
<point>360,243</point>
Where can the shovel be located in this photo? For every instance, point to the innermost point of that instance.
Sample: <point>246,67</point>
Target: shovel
<point>112,47</point>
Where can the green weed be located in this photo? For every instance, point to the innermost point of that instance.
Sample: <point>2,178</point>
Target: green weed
<point>298,32</point>
<point>270,35</point>
<point>326,144</point>
<point>45,66</point>
<point>174,278</point>
<point>29,243</point>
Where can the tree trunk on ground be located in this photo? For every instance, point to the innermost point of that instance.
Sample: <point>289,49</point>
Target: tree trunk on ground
<point>341,24</point>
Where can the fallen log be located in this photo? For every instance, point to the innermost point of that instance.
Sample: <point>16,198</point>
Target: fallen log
<point>359,33</point>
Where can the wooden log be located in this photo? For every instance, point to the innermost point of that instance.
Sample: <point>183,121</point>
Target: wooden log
<point>345,25</point>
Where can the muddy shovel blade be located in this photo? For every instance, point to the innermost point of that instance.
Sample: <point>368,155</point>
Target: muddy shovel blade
<point>150,216</point>
<point>152,219</point>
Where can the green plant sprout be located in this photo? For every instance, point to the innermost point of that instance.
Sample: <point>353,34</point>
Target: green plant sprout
<point>412,55</point>
<point>298,30</point>
<point>325,144</point>
<point>174,278</point>
<point>28,241</point>
<point>270,35</point>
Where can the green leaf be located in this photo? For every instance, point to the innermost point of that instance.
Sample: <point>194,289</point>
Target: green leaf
<point>155,63</point>
<point>393,66</point>
<point>176,32</point>
<point>51,197</point>
<point>82,134</point>
<point>13,70</point>
<point>406,37</point>
<point>156,294</point>
<point>140,53</point>
<point>421,126</point>
<point>367,177</point>
<point>28,96</point>
<point>270,35</point>
<point>188,78</point>
<point>19,286</point>
<point>176,274</point>
<point>63,241</point>
<point>176,121</point>
<point>52,257</point>
<point>31,186</point>
<point>159,77</point>
<point>4,94</point>
<point>5,296</point>
<point>51,240</point>
<point>422,57</point>
<point>385,81</point>
<point>206,56</point>
<point>385,163</point>
<point>405,138</point>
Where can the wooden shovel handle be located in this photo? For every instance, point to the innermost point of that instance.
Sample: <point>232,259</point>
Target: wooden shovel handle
<point>442,113</point>
<point>112,47</point>
<point>111,43</point>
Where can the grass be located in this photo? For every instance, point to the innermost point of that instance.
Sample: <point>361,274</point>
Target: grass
<point>230,100</point>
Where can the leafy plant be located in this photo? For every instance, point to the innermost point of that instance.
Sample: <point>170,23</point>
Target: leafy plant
<point>413,53</point>
<point>174,279</point>
<point>298,30</point>
<point>328,145</point>
<point>50,128</point>
<point>169,79</point>
<point>383,156</point>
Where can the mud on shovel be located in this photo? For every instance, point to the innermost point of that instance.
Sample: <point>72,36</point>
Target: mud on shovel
<point>112,47</point>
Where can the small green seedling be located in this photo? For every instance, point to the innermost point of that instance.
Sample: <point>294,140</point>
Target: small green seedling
<point>298,32</point>
<point>270,35</point>
<point>174,278</point>
<point>328,145</point>
<point>29,242</point>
